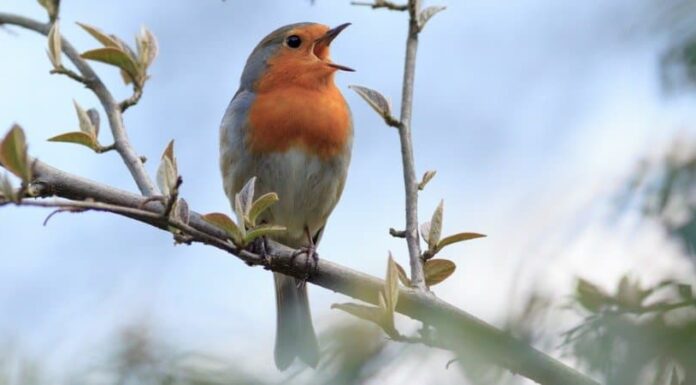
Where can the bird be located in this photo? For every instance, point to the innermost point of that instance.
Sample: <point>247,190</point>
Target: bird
<point>289,126</point>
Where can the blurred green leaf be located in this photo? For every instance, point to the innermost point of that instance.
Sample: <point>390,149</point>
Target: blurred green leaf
<point>52,8</point>
<point>54,45</point>
<point>105,39</point>
<point>590,296</point>
<point>167,172</point>
<point>260,205</point>
<point>391,286</point>
<point>227,224</point>
<point>7,191</point>
<point>13,153</point>
<point>263,230</point>
<point>147,47</point>
<point>115,57</point>
<point>374,99</point>
<point>403,277</point>
<point>435,227</point>
<point>427,177</point>
<point>437,270</point>
<point>459,237</point>
<point>425,15</point>
<point>77,137</point>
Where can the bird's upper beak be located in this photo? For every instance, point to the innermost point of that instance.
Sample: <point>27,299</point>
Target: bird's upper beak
<point>322,44</point>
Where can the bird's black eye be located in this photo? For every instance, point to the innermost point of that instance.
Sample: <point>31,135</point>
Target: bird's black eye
<point>293,41</point>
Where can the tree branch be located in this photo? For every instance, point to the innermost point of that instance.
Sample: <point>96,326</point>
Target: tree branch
<point>464,330</point>
<point>111,107</point>
<point>410,182</point>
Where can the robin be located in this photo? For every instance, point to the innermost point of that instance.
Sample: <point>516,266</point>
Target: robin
<point>289,126</point>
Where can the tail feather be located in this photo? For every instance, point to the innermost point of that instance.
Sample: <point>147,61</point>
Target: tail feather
<point>295,335</point>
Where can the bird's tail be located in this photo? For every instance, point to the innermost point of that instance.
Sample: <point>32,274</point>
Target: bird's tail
<point>294,331</point>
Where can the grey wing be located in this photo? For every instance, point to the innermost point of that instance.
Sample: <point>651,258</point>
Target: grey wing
<point>234,158</point>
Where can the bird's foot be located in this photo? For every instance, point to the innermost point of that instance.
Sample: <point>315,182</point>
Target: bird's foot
<point>260,246</point>
<point>311,259</point>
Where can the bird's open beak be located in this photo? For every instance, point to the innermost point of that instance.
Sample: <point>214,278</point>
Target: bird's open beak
<point>322,44</point>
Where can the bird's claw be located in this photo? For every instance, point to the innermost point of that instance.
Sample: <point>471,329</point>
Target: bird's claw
<point>260,246</point>
<point>311,261</point>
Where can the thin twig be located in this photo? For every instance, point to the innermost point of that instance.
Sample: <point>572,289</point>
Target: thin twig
<point>409,170</point>
<point>133,99</point>
<point>382,4</point>
<point>111,107</point>
<point>397,233</point>
<point>71,74</point>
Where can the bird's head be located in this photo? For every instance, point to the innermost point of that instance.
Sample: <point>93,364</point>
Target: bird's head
<point>296,54</point>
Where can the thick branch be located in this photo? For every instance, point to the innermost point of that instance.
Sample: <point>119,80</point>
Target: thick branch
<point>410,182</point>
<point>466,331</point>
<point>111,107</point>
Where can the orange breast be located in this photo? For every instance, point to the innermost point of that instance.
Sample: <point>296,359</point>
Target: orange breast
<point>315,119</point>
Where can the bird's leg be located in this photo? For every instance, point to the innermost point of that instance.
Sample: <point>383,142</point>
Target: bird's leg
<point>260,246</point>
<point>312,261</point>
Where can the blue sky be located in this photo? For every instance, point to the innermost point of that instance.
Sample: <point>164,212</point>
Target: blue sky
<point>532,112</point>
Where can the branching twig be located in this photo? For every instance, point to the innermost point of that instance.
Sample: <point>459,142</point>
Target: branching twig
<point>71,74</point>
<point>382,4</point>
<point>111,107</point>
<point>132,100</point>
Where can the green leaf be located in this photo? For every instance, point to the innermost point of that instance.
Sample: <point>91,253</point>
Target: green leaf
<point>105,39</point>
<point>52,7</point>
<point>167,172</point>
<point>403,277</point>
<point>459,237</point>
<point>590,296</point>
<point>86,125</point>
<point>54,45</point>
<point>181,210</point>
<point>427,177</point>
<point>437,270</point>
<point>13,153</point>
<point>147,47</point>
<point>260,205</point>
<point>263,230</point>
<point>241,218</point>
<point>6,190</point>
<point>685,291</point>
<point>115,57</point>
<point>435,227</point>
<point>391,286</point>
<point>629,293</point>
<point>425,230</point>
<point>227,224</point>
<point>369,313</point>
<point>376,100</point>
<point>428,13</point>
<point>246,197</point>
<point>77,137</point>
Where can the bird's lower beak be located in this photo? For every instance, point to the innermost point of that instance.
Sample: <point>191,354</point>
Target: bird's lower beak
<point>322,44</point>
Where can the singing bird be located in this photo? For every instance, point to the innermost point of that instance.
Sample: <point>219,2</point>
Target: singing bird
<point>289,126</point>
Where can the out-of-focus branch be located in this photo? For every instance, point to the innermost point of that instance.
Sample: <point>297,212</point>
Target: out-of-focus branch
<point>461,330</point>
<point>112,108</point>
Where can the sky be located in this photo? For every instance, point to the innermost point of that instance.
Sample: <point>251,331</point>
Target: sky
<point>532,112</point>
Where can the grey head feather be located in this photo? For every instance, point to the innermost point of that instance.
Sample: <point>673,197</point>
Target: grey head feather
<point>258,60</point>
